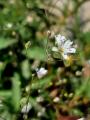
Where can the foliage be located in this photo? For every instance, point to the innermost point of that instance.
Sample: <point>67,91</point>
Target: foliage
<point>23,48</point>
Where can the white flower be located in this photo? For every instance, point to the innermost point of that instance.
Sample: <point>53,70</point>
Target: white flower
<point>26,108</point>
<point>56,99</point>
<point>64,46</point>
<point>67,48</point>
<point>41,72</point>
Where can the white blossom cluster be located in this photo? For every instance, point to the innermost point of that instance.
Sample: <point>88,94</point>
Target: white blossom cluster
<point>63,46</point>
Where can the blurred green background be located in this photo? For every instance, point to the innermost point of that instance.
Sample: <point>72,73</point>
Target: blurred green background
<point>28,21</point>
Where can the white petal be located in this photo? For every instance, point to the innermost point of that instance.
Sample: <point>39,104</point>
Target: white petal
<point>63,38</point>
<point>41,72</point>
<point>55,49</point>
<point>65,56</point>
<point>59,39</point>
<point>67,44</point>
<point>71,50</point>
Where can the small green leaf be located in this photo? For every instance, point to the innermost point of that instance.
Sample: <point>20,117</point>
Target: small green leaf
<point>87,90</point>
<point>25,67</point>
<point>82,88</point>
<point>42,83</point>
<point>6,42</point>
<point>76,112</point>
<point>6,94</point>
<point>35,53</point>
<point>86,37</point>
<point>16,94</point>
